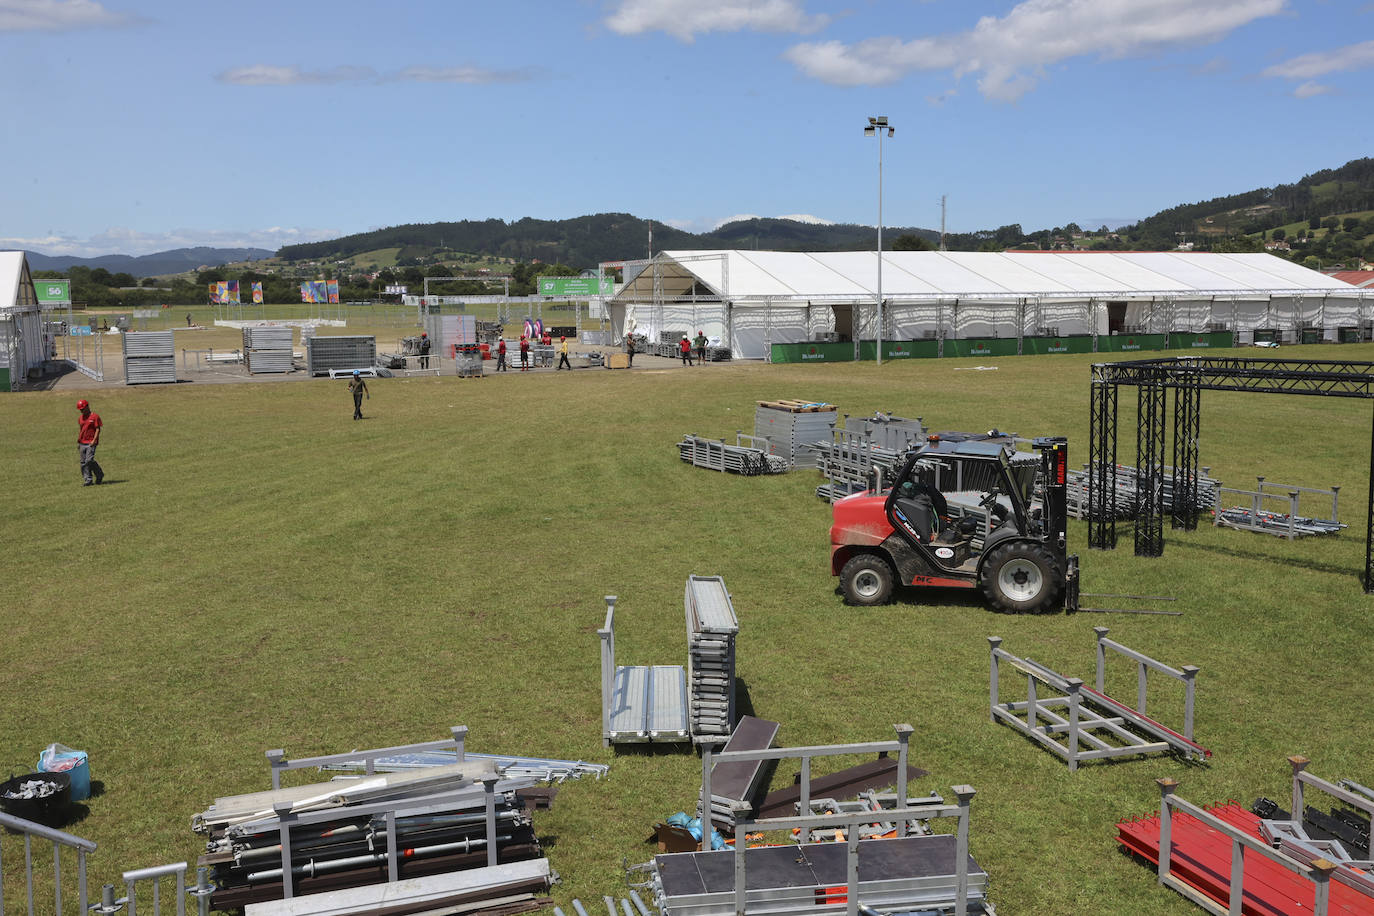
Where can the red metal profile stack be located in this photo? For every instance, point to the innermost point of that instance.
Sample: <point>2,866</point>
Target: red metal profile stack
<point>1200,856</point>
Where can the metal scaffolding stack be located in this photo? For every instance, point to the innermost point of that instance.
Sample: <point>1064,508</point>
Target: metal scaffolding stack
<point>716,455</point>
<point>854,451</point>
<point>789,424</point>
<point>267,349</point>
<point>149,358</point>
<point>711,629</point>
<point>360,831</point>
<point>339,354</point>
<point>1126,491</point>
<point>639,703</point>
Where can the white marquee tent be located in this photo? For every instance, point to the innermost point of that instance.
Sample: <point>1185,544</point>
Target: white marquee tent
<point>751,299</point>
<point>21,321</point>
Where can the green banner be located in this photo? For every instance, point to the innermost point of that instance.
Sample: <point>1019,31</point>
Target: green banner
<point>1130,343</point>
<point>574,286</point>
<point>813,352</point>
<point>53,292</point>
<point>1205,341</point>
<point>1076,344</point>
<point>900,349</point>
<point>981,347</point>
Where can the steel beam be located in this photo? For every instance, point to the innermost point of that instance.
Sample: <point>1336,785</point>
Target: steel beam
<point>1102,466</point>
<point>1187,427</point>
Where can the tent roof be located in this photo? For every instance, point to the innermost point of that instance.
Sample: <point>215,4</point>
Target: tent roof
<point>13,271</point>
<point>916,275</point>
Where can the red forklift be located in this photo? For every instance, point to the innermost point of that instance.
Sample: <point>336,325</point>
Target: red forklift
<point>961,513</point>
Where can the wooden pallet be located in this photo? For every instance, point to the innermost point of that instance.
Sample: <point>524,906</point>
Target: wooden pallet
<point>794,406</point>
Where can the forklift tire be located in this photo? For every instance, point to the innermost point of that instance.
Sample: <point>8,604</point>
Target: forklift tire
<point>1020,576</point>
<point>866,580</point>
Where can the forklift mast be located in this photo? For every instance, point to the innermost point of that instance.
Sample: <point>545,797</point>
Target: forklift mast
<point>1054,455</point>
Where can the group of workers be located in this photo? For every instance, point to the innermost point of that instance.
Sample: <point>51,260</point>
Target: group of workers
<point>526,342</point>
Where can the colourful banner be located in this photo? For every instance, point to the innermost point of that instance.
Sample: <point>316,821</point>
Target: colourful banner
<point>53,292</point>
<point>314,291</point>
<point>219,293</point>
<point>232,291</point>
<point>257,294</point>
<point>332,290</point>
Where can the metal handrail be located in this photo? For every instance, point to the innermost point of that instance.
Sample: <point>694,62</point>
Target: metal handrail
<point>59,839</point>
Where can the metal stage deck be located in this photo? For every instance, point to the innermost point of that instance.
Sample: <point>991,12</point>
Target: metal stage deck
<point>897,874</point>
<point>648,703</point>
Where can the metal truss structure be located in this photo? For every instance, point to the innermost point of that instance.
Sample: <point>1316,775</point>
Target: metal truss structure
<point>1188,377</point>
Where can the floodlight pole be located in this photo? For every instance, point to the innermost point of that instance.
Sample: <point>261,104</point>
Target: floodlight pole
<point>878,126</point>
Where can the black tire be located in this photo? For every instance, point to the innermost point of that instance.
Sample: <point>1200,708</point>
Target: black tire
<point>1022,576</point>
<point>866,581</point>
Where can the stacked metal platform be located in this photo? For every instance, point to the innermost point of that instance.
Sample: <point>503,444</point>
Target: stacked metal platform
<point>789,425</point>
<point>149,358</point>
<point>711,629</point>
<point>267,349</point>
<point>339,354</point>
<point>716,455</point>
<point>737,784</point>
<point>900,874</point>
<point>354,832</point>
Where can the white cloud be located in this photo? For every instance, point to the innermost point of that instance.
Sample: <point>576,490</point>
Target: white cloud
<point>807,218</point>
<point>470,75</point>
<point>57,15</point>
<point>271,75</point>
<point>1320,63</point>
<point>1311,88</point>
<point>120,240</point>
<point>685,19</point>
<point>1009,54</point>
<point>268,75</point>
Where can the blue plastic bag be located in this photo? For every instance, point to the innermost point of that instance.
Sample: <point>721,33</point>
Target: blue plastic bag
<point>58,758</point>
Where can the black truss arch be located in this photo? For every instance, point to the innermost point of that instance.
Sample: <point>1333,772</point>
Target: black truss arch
<point>1188,376</point>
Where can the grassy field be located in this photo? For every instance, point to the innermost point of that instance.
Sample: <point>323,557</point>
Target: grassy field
<point>262,572</point>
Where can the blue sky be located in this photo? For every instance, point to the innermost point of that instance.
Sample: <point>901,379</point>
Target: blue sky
<point>136,126</point>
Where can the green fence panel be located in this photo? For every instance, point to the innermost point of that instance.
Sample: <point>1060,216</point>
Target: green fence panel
<point>4,379</point>
<point>813,352</point>
<point>1130,343</point>
<point>900,349</point>
<point>1205,341</point>
<point>1075,344</point>
<point>1350,335</point>
<point>981,347</point>
<point>1311,335</point>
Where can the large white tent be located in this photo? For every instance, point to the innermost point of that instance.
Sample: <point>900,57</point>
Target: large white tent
<point>22,344</point>
<point>751,299</point>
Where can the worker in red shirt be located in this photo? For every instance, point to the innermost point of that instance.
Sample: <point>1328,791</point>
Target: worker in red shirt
<point>501,365</point>
<point>87,438</point>
<point>684,347</point>
<point>524,353</point>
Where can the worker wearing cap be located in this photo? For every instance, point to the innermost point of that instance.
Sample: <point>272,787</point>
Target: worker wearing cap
<point>87,438</point>
<point>684,347</point>
<point>359,389</point>
<point>524,353</point>
<point>424,350</point>
<point>701,347</point>
<point>501,364</point>
<point>563,354</point>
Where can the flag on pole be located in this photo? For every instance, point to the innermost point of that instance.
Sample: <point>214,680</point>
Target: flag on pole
<point>332,291</point>
<point>231,293</point>
<point>257,294</point>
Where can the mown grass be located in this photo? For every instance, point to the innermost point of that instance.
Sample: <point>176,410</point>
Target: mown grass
<point>266,573</point>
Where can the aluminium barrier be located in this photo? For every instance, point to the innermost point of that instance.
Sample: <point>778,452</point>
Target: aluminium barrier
<point>107,905</point>
<point>1081,716</point>
<point>1290,524</point>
